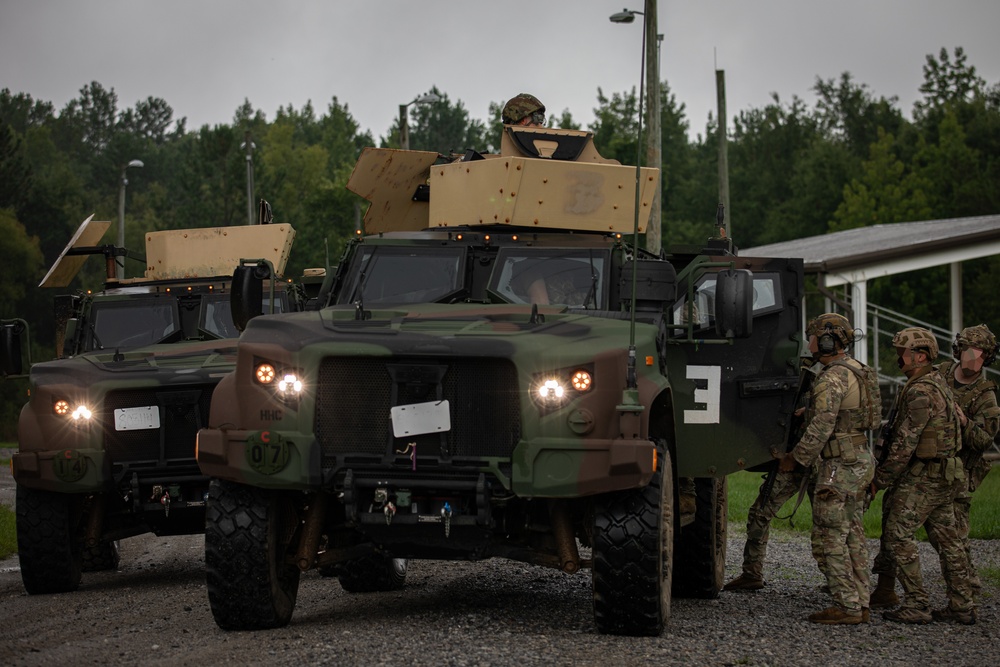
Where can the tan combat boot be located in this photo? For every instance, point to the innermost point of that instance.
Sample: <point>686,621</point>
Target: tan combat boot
<point>744,582</point>
<point>884,594</point>
<point>836,616</point>
<point>949,615</point>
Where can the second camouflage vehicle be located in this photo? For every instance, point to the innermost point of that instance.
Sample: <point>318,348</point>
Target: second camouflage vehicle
<point>106,441</point>
<point>499,372</point>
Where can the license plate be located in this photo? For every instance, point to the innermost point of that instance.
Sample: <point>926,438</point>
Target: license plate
<point>137,419</point>
<point>420,418</point>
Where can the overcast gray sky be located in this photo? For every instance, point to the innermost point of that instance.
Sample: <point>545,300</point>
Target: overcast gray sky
<point>205,56</point>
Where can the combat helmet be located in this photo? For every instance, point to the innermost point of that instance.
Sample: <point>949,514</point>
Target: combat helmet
<point>828,326</point>
<point>979,337</point>
<point>520,107</point>
<point>917,338</point>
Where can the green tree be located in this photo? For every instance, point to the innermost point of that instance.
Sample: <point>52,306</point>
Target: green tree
<point>886,192</point>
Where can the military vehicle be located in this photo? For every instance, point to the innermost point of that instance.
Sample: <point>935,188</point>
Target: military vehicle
<point>106,441</point>
<point>501,372</point>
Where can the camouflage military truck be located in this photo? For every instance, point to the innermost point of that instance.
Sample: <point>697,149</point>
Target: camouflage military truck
<point>106,441</point>
<point>499,372</point>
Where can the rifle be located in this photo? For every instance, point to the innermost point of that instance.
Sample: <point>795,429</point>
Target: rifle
<point>808,372</point>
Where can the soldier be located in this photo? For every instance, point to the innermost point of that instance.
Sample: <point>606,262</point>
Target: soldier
<point>770,498</point>
<point>523,109</point>
<point>924,472</point>
<point>844,403</point>
<point>974,348</point>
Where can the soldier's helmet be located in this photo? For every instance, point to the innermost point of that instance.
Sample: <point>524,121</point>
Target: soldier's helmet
<point>979,337</point>
<point>917,338</point>
<point>520,107</point>
<point>832,324</point>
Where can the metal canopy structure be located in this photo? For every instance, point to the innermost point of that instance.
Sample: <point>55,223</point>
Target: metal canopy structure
<point>855,256</point>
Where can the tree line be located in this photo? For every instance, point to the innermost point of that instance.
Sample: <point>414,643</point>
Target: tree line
<point>851,159</point>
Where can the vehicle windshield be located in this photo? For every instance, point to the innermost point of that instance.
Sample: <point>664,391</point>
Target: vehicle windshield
<point>381,274</point>
<point>132,323</point>
<point>575,277</point>
<point>217,318</point>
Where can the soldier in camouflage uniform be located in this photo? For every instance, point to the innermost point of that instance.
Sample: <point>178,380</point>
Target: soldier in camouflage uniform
<point>925,473</point>
<point>844,405</point>
<point>769,501</point>
<point>523,109</point>
<point>974,348</point>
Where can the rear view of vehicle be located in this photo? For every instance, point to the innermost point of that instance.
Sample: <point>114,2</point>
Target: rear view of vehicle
<point>106,441</point>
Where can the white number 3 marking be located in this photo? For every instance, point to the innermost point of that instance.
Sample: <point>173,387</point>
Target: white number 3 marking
<point>709,396</point>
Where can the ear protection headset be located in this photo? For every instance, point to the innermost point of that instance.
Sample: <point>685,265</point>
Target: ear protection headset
<point>826,343</point>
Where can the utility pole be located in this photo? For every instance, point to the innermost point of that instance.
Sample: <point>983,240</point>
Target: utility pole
<point>720,91</point>
<point>653,134</point>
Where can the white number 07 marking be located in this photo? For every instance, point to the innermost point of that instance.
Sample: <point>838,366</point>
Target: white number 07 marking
<point>709,396</point>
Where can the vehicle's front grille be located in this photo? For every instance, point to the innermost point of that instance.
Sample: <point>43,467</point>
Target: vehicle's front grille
<point>182,412</point>
<point>355,395</point>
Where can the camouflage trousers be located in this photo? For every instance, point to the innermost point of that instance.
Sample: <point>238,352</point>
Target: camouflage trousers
<point>759,517</point>
<point>920,500</point>
<point>838,536</point>
<point>963,507</point>
<point>884,564</point>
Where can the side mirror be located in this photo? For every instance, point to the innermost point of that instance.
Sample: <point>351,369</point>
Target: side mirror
<point>734,303</point>
<point>11,350</point>
<point>247,299</point>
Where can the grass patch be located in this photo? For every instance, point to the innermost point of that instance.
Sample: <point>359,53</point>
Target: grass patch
<point>8,534</point>
<point>743,487</point>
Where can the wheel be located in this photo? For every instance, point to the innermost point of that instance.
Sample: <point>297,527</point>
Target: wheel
<point>633,556</point>
<point>370,574</point>
<point>700,568</point>
<point>103,556</point>
<point>47,546</point>
<point>249,533</point>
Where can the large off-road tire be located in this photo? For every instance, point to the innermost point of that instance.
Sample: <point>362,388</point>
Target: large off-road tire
<point>47,543</point>
<point>372,574</point>
<point>100,557</point>
<point>700,564</point>
<point>633,556</point>
<point>248,535</point>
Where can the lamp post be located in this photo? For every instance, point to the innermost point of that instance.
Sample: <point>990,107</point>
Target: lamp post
<point>249,146</point>
<point>404,125</point>
<point>628,16</point>
<point>651,51</point>
<point>120,265</point>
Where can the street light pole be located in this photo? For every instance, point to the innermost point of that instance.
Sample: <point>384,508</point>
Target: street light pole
<point>120,265</point>
<point>404,120</point>
<point>249,146</point>
<point>628,16</point>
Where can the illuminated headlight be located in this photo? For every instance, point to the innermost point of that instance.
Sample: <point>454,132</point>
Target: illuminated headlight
<point>265,373</point>
<point>286,383</point>
<point>551,390</point>
<point>290,386</point>
<point>554,389</point>
<point>81,414</point>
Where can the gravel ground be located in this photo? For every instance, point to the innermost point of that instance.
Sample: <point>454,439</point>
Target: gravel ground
<point>154,611</point>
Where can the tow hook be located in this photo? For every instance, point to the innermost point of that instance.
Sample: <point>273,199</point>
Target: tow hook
<point>162,496</point>
<point>446,518</point>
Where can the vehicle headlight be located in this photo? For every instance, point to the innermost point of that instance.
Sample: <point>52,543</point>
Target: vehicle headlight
<point>285,382</point>
<point>290,385</point>
<point>552,390</point>
<point>81,413</point>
